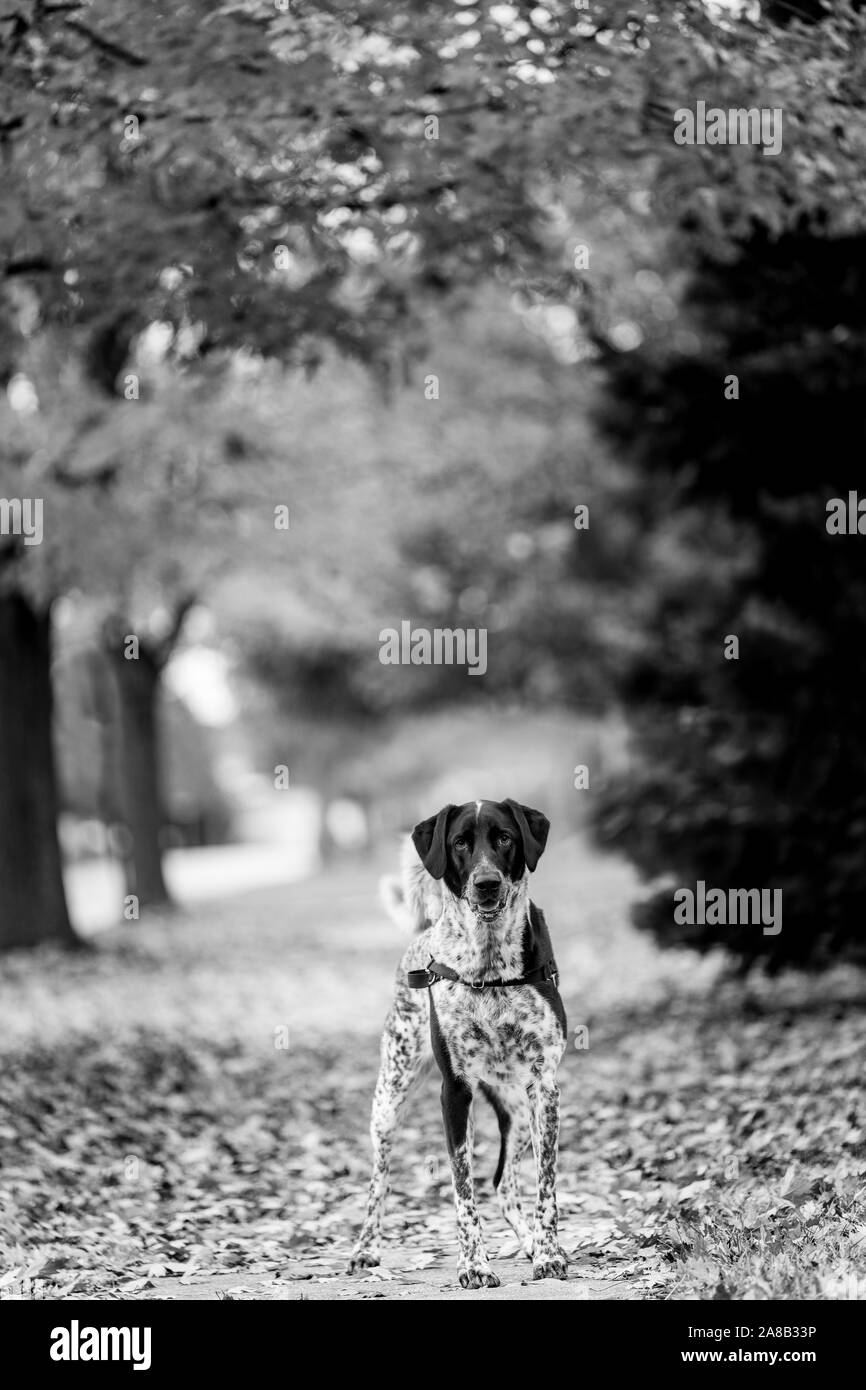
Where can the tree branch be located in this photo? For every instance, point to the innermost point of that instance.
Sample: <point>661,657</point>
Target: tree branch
<point>27,265</point>
<point>163,650</point>
<point>114,50</point>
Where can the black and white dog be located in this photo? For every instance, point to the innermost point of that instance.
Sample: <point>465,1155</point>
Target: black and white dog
<point>480,981</point>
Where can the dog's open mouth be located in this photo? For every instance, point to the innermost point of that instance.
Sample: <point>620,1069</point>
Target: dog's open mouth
<point>487,910</point>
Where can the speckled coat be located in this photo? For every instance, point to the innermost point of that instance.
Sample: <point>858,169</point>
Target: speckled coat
<point>506,1042</point>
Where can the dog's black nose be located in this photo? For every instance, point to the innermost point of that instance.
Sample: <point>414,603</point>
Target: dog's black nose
<point>487,887</point>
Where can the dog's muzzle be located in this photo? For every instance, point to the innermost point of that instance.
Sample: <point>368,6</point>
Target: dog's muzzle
<point>486,892</point>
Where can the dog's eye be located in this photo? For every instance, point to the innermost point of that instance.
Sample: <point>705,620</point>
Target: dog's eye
<point>503,840</point>
<point>460,843</point>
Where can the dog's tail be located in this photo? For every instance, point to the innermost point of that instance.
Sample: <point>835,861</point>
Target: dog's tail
<point>503,1118</point>
<point>394,903</point>
<point>414,899</point>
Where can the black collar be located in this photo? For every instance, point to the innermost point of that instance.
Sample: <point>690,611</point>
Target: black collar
<point>425,979</point>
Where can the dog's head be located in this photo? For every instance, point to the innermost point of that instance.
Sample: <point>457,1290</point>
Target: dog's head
<point>482,848</point>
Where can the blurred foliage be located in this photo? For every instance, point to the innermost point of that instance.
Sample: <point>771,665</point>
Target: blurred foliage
<point>750,772</point>
<point>457,512</point>
<point>239,178</point>
<point>258,175</point>
<point>246,181</point>
<point>242,183</point>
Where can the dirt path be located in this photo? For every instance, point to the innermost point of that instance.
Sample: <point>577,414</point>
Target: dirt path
<point>437,1282</point>
<point>185,1112</point>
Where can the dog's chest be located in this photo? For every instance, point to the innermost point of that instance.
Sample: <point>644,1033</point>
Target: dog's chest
<point>496,1035</point>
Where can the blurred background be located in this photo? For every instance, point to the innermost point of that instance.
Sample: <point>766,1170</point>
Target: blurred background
<point>222,719</point>
<point>529,367</point>
<point>318,320</point>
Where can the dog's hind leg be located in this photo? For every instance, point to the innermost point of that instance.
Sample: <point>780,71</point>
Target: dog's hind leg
<point>514,1137</point>
<point>402,1052</point>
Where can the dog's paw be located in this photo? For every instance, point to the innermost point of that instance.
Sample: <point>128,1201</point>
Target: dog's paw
<point>478,1276</point>
<point>550,1264</point>
<point>363,1259</point>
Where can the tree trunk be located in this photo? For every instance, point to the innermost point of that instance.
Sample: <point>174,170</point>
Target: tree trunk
<point>138,689</point>
<point>32,899</point>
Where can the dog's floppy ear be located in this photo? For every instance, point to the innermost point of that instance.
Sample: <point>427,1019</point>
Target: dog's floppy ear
<point>533,827</point>
<point>429,840</point>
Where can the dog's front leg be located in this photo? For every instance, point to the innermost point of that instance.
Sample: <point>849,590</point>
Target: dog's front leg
<point>474,1267</point>
<point>401,1054</point>
<point>548,1260</point>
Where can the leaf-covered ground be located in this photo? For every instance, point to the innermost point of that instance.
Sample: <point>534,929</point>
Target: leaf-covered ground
<point>183,1112</point>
